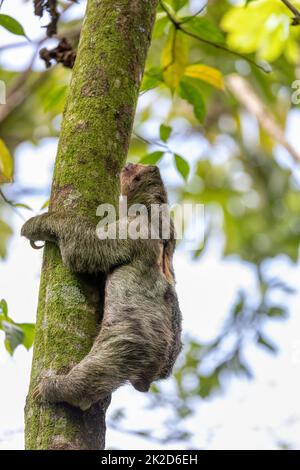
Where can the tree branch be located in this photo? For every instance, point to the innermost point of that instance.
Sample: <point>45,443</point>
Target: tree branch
<point>294,10</point>
<point>198,12</point>
<point>19,91</point>
<point>11,204</point>
<point>178,26</point>
<point>245,94</point>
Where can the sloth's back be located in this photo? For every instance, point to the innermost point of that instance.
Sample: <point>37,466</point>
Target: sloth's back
<point>140,303</point>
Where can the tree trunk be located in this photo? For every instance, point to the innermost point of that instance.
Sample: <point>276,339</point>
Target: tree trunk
<point>92,149</point>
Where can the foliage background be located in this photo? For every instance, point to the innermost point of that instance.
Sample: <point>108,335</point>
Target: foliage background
<point>236,382</point>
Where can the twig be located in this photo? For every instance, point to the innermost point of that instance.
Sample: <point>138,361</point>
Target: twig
<point>149,142</point>
<point>171,17</point>
<point>294,10</point>
<point>224,48</point>
<point>17,92</point>
<point>5,198</point>
<point>69,33</point>
<point>11,204</point>
<point>13,45</point>
<point>177,24</point>
<point>18,97</point>
<point>189,18</point>
<point>25,74</point>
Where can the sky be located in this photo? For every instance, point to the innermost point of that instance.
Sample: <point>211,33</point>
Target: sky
<point>257,414</point>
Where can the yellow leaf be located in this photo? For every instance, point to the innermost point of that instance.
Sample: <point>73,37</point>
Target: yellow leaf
<point>207,74</point>
<point>264,27</point>
<point>174,58</point>
<point>5,234</point>
<point>266,141</point>
<point>270,50</point>
<point>6,164</point>
<point>292,49</point>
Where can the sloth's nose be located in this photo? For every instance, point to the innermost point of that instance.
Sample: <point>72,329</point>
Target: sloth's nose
<point>129,166</point>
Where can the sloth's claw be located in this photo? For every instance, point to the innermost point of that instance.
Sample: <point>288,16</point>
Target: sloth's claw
<point>37,393</point>
<point>34,246</point>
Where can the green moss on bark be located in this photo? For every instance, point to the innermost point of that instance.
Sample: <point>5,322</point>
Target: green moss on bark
<point>93,145</point>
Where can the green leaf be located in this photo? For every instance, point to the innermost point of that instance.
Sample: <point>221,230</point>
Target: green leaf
<point>145,433</point>
<point>264,27</point>
<point>46,204</point>
<point>173,5</point>
<point>12,25</point>
<point>56,99</point>
<point>203,28</point>
<point>152,158</point>
<point>165,132</point>
<point>184,411</point>
<point>28,332</point>
<point>152,78</point>
<point>22,206</point>
<point>182,166</point>
<point>5,234</point>
<point>276,311</point>
<point>178,4</point>
<point>208,384</point>
<point>160,26</point>
<point>16,333</point>
<point>154,389</point>
<point>174,58</point>
<point>266,344</point>
<point>6,164</point>
<point>13,335</point>
<point>3,307</point>
<point>190,92</point>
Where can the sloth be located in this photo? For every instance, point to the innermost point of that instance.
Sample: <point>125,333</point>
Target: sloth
<point>140,334</point>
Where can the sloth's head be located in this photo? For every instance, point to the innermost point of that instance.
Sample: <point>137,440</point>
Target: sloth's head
<point>142,184</point>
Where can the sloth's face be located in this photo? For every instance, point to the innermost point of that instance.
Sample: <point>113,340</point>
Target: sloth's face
<point>133,174</point>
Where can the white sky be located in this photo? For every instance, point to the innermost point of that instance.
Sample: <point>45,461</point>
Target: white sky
<point>248,415</point>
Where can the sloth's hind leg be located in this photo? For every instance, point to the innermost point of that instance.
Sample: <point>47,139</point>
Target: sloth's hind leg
<point>120,354</point>
<point>87,383</point>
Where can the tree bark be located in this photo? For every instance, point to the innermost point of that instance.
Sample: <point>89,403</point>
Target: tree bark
<point>93,145</point>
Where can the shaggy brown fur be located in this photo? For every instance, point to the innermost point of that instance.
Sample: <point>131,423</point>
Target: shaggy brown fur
<point>139,339</point>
